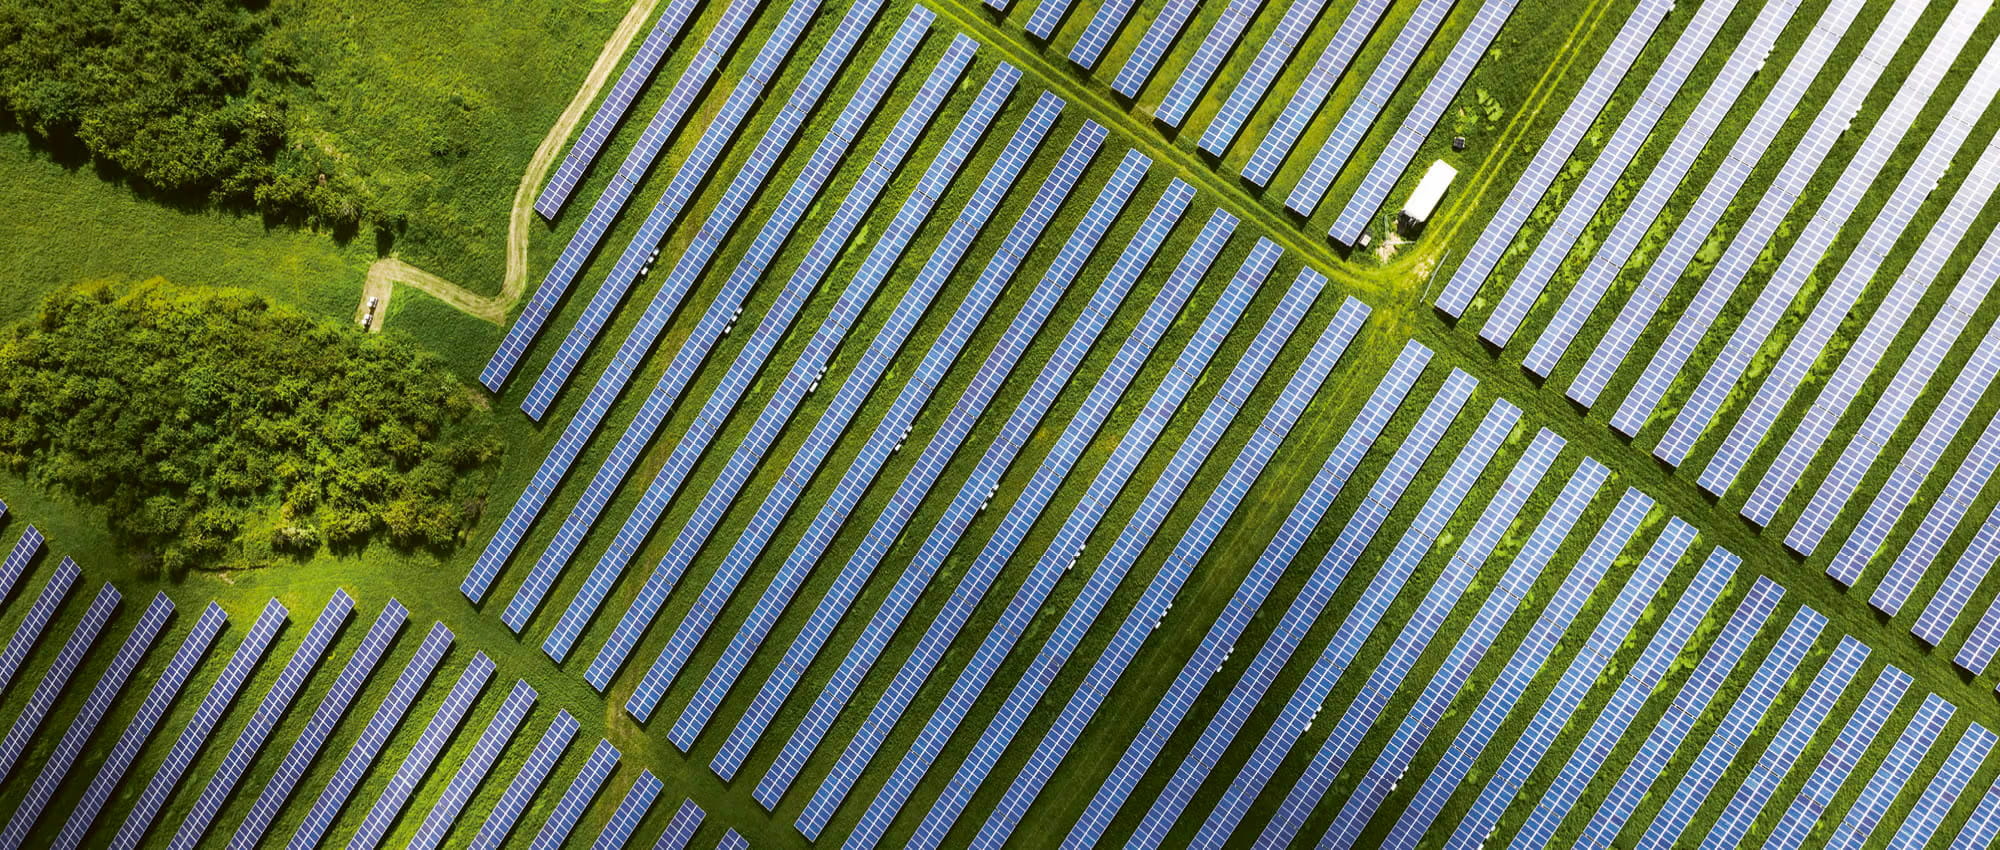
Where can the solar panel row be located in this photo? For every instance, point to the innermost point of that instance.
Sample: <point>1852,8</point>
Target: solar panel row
<point>81,727</point>
<point>1392,763</point>
<point>1313,90</point>
<point>818,355</point>
<point>1701,217</point>
<point>1105,392</point>
<point>583,789</point>
<point>732,841</point>
<point>1750,705</point>
<point>1847,749</point>
<point>638,72</point>
<point>770,331</point>
<point>1787,746</point>
<point>1306,607</point>
<point>416,765</point>
<point>1806,252</point>
<point>693,351</point>
<point>1980,830</point>
<point>647,243</point>
<point>1921,821</point>
<point>951,435</point>
<point>831,423</point>
<point>11,570</point>
<point>194,649</point>
<point>527,782</point>
<point>1589,663</point>
<point>1838,297</point>
<point>332,708</point>
<point>368,747</point>
<point>1103,27</point>
<point>1200,68</point>
<point>1256,81</point>
<point>478,762</point>
<point>1389,673</point>
<point>891,430</point>
<point>56,677</point>
<point>250,742</point>
<point>681,829</point>
<point>1886,415</point>
<point>1583,202</point>
<point>1063,550</point>
<point>638,799</point>
<point>1891,774</point>
<point>1978,559</point>
<point>1928,541</point>
<point>605,210</point>
<point>1220,642</point>
<point>1311,694</point>
<point>28,633</point>
<point>1368,104</point>
<point>221,694</point>
<point>1423,118</point>
<point>1160,35</point>
<point>1157,599</point>
<point>1718,102</point>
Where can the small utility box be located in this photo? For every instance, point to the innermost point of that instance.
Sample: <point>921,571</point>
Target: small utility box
<point>1429,192</point>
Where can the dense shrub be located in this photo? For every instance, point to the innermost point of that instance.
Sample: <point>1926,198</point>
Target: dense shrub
<point>222,431</point>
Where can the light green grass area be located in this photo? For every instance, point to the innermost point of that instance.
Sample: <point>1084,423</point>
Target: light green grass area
<point>450,112</point>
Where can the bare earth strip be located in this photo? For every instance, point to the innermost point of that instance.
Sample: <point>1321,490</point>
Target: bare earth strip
<point>388,271</point>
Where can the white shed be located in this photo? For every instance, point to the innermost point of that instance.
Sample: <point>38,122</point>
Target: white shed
<point>1430,190</point>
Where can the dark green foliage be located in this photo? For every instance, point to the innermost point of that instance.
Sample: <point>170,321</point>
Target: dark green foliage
<point>180,95</point>
<point>222,431</point>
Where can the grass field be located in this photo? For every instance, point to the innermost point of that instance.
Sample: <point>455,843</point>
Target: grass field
<point>449,113</point>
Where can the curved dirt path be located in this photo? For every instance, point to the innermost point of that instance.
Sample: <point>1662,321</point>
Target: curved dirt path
<point>384,273</point>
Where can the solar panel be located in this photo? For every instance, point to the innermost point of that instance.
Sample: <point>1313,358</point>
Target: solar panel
<point>889,432</point>
<point>1921,821</point>
<point>1083,426</point>
<point>1983,826</point>
<point>193,650</point>
<point>1929,540</point>
<point>1393,761</point>
<point>1804,255</point>
<point>638,162</point>
<point>958,425</point>
<point>81,727</point>
<point>1423,118</point>
<point>29,633</point>
<point>1271,60</point>
<point>714,324</point>
<point>1976,561</point>
<point>1080,522</point>
<point>25,549</point>
<point>1886,415</point>
<point>743,371</point>
<point>381,724</point>
<point>1104,26</point>
<point>555,831</point>
<point>651,238</point>
<point>332,708</point>
<point>638,72</point>
<point>732,841</point>
<point>1220,641</point>
<point>1388,674</point>
<point>1306,607</point>
<point>1717,103</point>
<point>1848,747</point>
<point>1200,68</point>
<point>1890,775</point>
<point>1838,297</point>
<point>1751,704</point>
<point>527,782</point>
<point>681,829</point>
<point>167,775</point>
<point>1605,173</point>
<point>478,762</point>
<point>1361,620</point>
<point>1157,599</point>
<point>818,354</point>
<point>56,677</point>
<point>1368,104</point>
<point>638,799</point>
<point>831,423</point>
<point>1311,93</point>
<point>277,701</point>
<point>417,764</point>
<point>1730,175</point>
<point>1614,625</point>
<point>1160,35</point>
<point>1154,603</point>
<point>1791,740</point>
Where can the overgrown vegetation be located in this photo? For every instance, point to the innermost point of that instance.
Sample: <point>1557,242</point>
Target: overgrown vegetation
<point>222,431</point>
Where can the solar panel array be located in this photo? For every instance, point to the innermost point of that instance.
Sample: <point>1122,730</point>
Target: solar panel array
<point>56,677</point>
<point>1921,821</point>
<point>1787,746</point>
<point>527,782</point>
<point>1201,67</point>
<point>1816,796</point>
<point>638,799</point>
<point>583,789</point>
<point>1249,90</point>
<point>29,632</point>
<point>26,547</point>
<point>424,753</point>
<point>478,761</point>
<point>1891,774</point>
<point>680,830</point>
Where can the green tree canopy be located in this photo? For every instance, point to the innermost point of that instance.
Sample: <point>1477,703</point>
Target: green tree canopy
<point>223,431</point>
